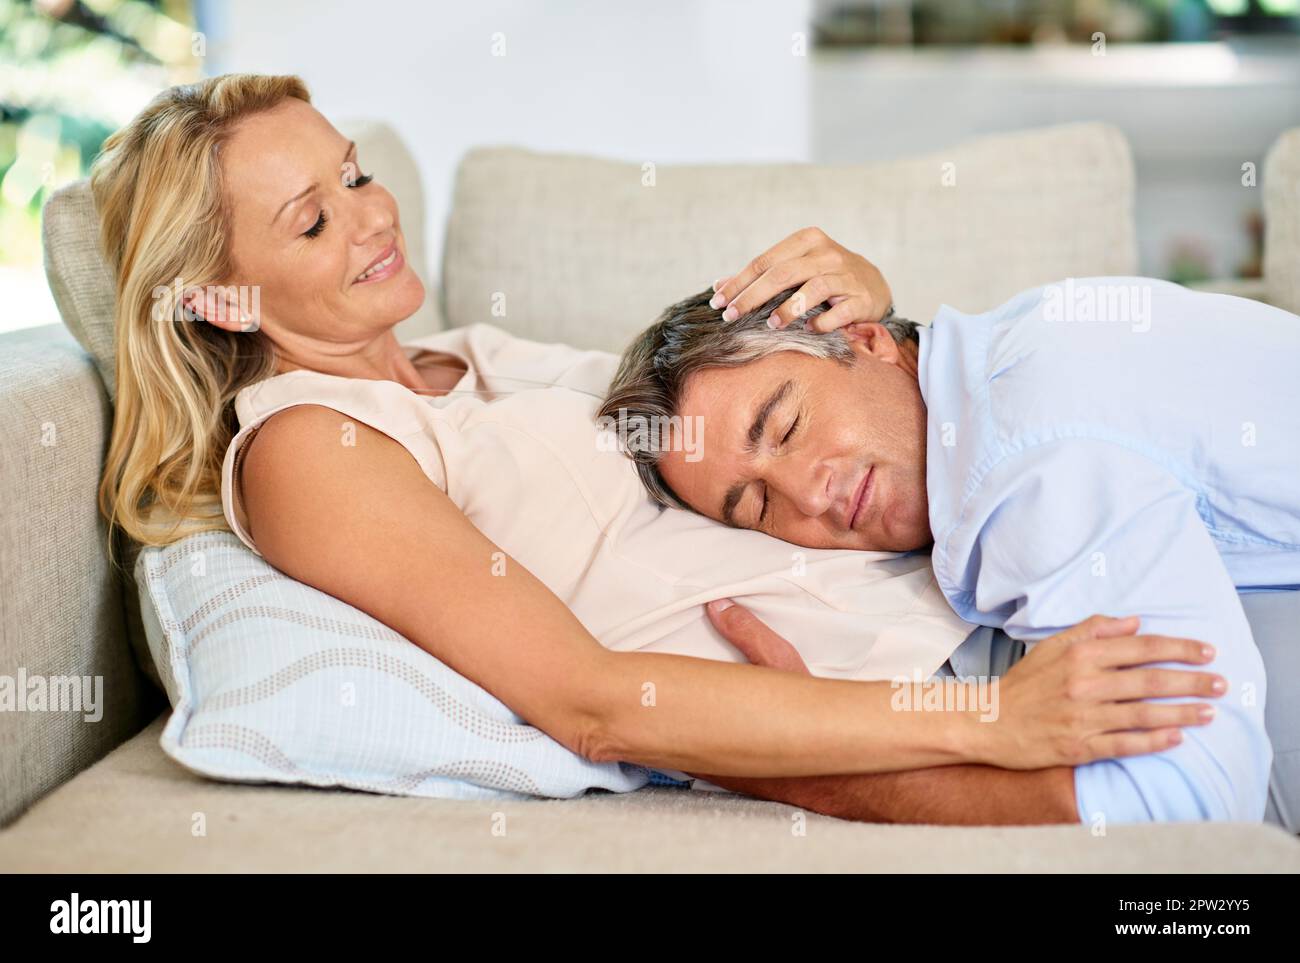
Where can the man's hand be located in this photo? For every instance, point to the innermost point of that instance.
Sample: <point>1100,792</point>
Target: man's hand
<point>756,642</point>
<point>824,271</point>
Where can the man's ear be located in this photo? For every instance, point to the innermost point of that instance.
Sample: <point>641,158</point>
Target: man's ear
<point>221,306</point>
<point>869,338</point>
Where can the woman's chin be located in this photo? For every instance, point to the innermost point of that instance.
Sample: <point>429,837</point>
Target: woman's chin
<point>401,296</point>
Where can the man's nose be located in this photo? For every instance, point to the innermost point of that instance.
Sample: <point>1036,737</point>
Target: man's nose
<point>803,481</point>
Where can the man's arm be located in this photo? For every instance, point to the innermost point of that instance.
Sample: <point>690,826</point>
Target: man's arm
<point>945,795</point>
<point>967,795</point>
<point>1080,525</point>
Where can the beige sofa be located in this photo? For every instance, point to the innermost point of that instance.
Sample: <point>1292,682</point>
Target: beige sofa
<point>554,248</point>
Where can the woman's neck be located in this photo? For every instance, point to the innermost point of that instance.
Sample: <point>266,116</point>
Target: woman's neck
<point>382,359</point>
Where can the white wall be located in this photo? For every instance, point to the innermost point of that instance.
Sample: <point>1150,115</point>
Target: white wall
<point>1193,115</point>
<point>665,81</point>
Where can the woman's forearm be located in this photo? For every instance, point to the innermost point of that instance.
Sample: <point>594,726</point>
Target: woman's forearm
<point>678,712</point>
<point>413,561</point>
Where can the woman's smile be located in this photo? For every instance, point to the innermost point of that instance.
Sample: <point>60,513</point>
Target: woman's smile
<point>383,267</point>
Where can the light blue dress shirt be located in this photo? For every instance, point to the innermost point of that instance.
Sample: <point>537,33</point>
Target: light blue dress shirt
<point>1124,446</point>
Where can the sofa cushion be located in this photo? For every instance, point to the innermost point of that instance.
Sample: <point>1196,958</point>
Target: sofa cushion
<point>272,680</point>
<point>60,602</point>
<point>82,283</point>
<point>1282,222</point>
<point>137,811</point>
<point>589,251</point>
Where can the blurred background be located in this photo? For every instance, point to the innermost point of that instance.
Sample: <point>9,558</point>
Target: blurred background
<point>1201,88</point>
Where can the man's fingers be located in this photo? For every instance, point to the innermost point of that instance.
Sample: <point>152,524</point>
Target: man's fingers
<point>759,644</point>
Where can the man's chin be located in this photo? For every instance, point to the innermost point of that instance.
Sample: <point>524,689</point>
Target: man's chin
<point>894,542</point>
<point>872,542</point>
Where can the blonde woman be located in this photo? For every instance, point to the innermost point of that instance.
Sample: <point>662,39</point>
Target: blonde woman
<point>238,183</point>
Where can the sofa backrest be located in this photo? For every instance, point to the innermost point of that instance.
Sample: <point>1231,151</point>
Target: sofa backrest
<point>1281,182</point>
<point>588,251</point>
<point>82,283</point>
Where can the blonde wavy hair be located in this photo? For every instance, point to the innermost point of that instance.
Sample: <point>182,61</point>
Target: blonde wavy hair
<point>163,216</point>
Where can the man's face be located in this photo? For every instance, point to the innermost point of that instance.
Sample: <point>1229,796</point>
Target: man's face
<point>809,450</point>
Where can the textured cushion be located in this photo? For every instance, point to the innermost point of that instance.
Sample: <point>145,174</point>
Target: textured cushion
<point>82,283</point>
<point>583,251</point>
<point>272,680</point>
<point>1282,222</point>
<point>61,608</point>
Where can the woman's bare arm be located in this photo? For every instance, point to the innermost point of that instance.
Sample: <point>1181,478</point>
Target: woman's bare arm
<point>363,523</point>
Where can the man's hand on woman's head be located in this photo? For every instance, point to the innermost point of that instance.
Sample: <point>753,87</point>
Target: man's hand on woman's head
<point>822,270</point>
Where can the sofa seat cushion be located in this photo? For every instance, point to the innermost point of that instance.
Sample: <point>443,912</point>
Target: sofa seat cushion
<point>137,810</point>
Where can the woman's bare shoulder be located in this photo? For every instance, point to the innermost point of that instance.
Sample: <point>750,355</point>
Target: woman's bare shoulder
<point>310,465</point>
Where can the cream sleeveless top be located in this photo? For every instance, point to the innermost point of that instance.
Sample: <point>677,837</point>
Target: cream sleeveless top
<point>516,447</point>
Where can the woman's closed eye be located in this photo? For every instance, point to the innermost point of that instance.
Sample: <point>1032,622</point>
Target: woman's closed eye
<point>315,229</point>
<point>322,219</point>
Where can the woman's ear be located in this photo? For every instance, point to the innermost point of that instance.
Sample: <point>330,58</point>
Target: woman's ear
<point>222,306</point>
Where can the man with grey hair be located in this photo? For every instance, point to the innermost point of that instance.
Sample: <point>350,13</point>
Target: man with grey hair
<point>1062,456</point>
<point>691,336</point>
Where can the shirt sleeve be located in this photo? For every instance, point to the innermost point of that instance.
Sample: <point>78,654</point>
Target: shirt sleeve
<point>1068,529</point>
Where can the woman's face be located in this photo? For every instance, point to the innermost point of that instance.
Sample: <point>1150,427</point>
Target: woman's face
<point>307,222</point>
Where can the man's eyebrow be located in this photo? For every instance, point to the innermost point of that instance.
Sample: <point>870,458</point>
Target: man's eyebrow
<point>352,145</point>
<point>753,438</point>
<point>764,412</point>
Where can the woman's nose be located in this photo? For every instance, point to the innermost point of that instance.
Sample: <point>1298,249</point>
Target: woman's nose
<point>373,217</point>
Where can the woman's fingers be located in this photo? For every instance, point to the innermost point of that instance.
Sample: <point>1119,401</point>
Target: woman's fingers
<point>844,312</point>
<point>1147,649</point>
<point>813,293</point>
<point>1108,627</point>
<point>825,273</point>
<point>759,644</point>
<point>796,245</point>
<point>781,276</point>
<point>1128,684</point>
<point>1115,745</point>
<point>1146,716</point>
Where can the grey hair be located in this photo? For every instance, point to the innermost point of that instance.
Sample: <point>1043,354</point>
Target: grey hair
<point>689,337</point>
